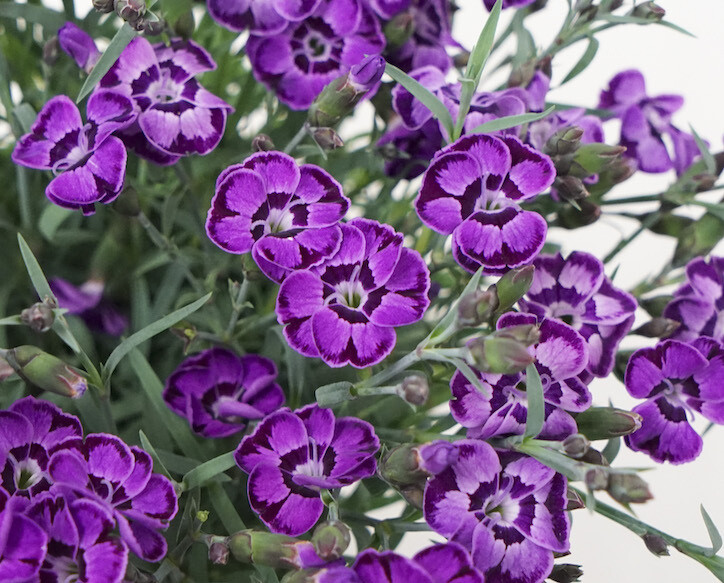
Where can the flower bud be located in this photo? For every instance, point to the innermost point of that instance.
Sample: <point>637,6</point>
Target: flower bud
<point>593,158</point>
<point>414,389</point>
<point>437,456</point>
<point>570,188</point>
<point>657,328</point>
<point>273,550</point>
<point>570,217</point>
<point>566,573</point>
<point>103,5</point>
<point>628,489</point>
<point>50,51</point>
<point>513,286</point>
<point>656,544</point>
<point>574,500</point>
<point>649,11</point>
<point>477,307</point>
<point>262,143</point>
<point>151,27</point>
<point>367,74</point>
<point>399,29</point>
<point>596,479</point>
<point>595,457</point>
<point>576,445</point>
<point>506,350</point>
<point>219,553</point>
<point>413,494</point>
<point>564,142</point>
<point>331,539</point>
<point>327,138</point>
<point>38,317</point>
<point>130,10</point>
<point>607,422</point>
<point>79,45</point>
<point>401,466</point>
<point>46,372</point>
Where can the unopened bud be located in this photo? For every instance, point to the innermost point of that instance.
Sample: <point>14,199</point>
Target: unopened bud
<point>219,553</point>
<point>262,143</point>
<point>399,29</point>
<point>103,5</point>
<point>528,334</point>
<point>607,422</point>
<point>564,142</point>
<point>367,74</point>
<point>50,51</point>
<point>657,328</point>
<point>595,457</point>
<point>656,544</point>
<point>574,500</point>
<point>628,489</point>
<point>566,573</point>
<point>437,456</point>
<point>570,188</point>
<point>615,5</point>
<point>401,465</point>
<point>593,158</point>
<point>327,138</point>
<point>576,445</point>
<point>570,217</point>
<point>460,60</point>
<point>150,26</point>
<point>79,45</point>
<point>477,307</point>
<point>499,354</point>
<point>38,317</point>
<point>649,11</point>
<point>46,372</point>
<point>414,389</point>
<point>413,494</point>
<point>331,539</point>
<point>513,286</point>
<point>596,479</point>
<point>273,550</point>
<point>130,10</point>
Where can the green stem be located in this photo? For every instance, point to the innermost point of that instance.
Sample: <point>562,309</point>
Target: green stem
<point>649,221</point>
<point>381,377</point>
<point>298,137</point>
<point>632,199</point>
<point>237,307</point>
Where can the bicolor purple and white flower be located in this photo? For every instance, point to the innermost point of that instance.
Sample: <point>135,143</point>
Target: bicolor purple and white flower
<point>561,355</point>
<point>106,470</point>
<point>79,45</point>
<point>89,163</point>
<point>507,509</point>
<point>293,455</point>
<point>473,190</point>
<point>176,115</point>
<point>577,291</point>
<point>285,214</point>
<point>300,60</point>
<point>80,544</point>
<point>30,430</point>
<point>23,544</point>
<point>219,392</point>
<point>259,17</point>
<point>676,379</point>
<point>698,305</point>
<point>88,303</point>
<point>346,309</point>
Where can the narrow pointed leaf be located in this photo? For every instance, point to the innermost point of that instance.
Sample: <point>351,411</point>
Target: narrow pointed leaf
<point>585,60</point>
<point>714,536</point>
<point>158,465</point>
<point>208,470</point>
<point>481,50</point>
<point>45,17</point>
<point>449,318</point>
<point>510,121</point>
<point>536,405</point>
<point>612,448</point>
<point>119,42</point>
<point>706,156</point>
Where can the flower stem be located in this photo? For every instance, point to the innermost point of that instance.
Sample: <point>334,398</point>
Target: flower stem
<point>403,364</point>
<point>299,136</point>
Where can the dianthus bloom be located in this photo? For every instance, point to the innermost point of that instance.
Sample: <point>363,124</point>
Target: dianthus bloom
<point>87,302</point>
<point>259,16</point>
<point>698,305</point>
<point>472,190</point>
<point>79,45</point>
<point>508,509</point>
<point>345,310</point>
<point>576,289</point>
<point>89,163</point>
<point>292,455</point>
<point>285,214</point>
<point>176,116</point>
<point>218,391</point>
<point>297,62</point>
<point>561,355</point>
<point>23,543</point>
<point>676,379</point>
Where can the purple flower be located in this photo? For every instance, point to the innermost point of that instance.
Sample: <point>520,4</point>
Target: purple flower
<point>260,17</point>
<point>472,190</point>
<point>286,215</point>
<point>698,305</point>
<point>676,379</point>
<point>29,431</point>
<point>576,289</point>
<point>561,355</point>
<point>507,509</point>
<point>89,163</point>
<point>300,60</point>
<point>87,302</point>
<point>23,543</point>
<point>644,122</point>
<point>412,149</point>
<point>80,546</point>
<point>345,310</point>
<point>218,391</point>
<point>103,468</point>
<point>291,456</point>
<point>79,45</point>
<point>176,116</point>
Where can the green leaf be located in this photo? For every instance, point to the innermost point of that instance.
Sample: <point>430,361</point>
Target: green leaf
<point>50,220</point>
<point>25,116</point>
<point>510,121</point>
<point>119,42</point>
<point>714,536</point>
<point>149,332</point>
<point>436,107</point>
<point>481,50</point>
<point>225,508</point>
<point>706,156</point>
<point>11,321</point>
<point>536,405</point>
<point>584,61</point>
<point>45,17</point>
<point>208,470</point>
<point>334,394</point>
<point>611,450</point>
<point>157,463</point>
<point>450,317</point>
<point>625,19</point>
<point>37,277</point>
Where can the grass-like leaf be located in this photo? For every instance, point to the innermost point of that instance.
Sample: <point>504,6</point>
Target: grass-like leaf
<point>45,17</point>
<point>611,450</point>
<point>481,50</point>
<point>158,465</point>
<point>536,405</point>
<point>706,156</point>
<point>208,470</point>
<point>510,121</point>
<point>119,42</point>
<point>714,536</point>
<point>584,61</point>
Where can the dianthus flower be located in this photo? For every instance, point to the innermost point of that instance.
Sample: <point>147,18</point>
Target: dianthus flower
<point>472,190</point>
<point>698,305</point>
<point>79,45</point>
<point>676,379</point>
<point>103,468</point>
<point>285,214</point>
<point>218,391</point>
<point>577,291</point>
<point>176,116</point>
<point>89,163</point>
<point>509,510</point>
<point>291,456</point>
<point>561,355</point>
<point>299,61</point>
<point>87,302</point>
<point>259,16</point>
<point>80,545</point>
<point>23,543</point>
<point>345,310</point>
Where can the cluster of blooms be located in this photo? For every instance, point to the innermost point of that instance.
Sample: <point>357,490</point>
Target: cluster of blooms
<point>63,497</point>
<point>344,286</point>
<point>149,101</point>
